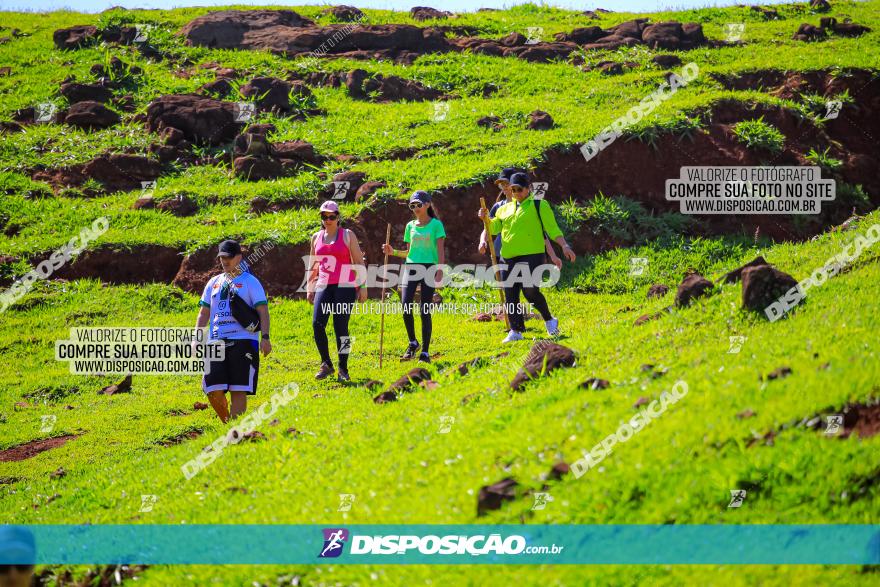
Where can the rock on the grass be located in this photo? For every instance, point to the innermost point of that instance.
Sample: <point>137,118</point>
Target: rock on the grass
<point>736,274</point>
<point>779,372</point>
<point>426,13</point>
<point>226,29</point>
<point>693,286</point>
<point>121,172</point>
<point>367,189</point>
<point>491,122</point>
<point>75,37</point>
<point>630,29</point>
<point>180,205</point>
<point>270,93</point>
<point>354,179</point>
<point>123,386</point>
<point>658,290</point>
<point>846,29</point>
<point>361,85</point>
<point>344,13</point>
<point>595,383</point>
<point>77,92</point>
<point>559,470</point>
<point>543,358</point>
<point>251,143</point>
<point>663,35</point>
<point>91,115</point>
<point>666,61</point>
<point>386,397</point>
<point>820,5</point>
<point>809,32</point>
<point>762,285</point>
<point>492,496</point>
<point>219,87</point>
<point>201,119</point>
<point>582,35</point>
<point>540,120</point>
<point>411,378</point>
<point>407,382</point>
<point>301,151</point>
<point>257,168</point>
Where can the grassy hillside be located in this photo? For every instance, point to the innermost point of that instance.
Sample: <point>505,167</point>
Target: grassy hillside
<point>736,429</point>
<point>450,152</point>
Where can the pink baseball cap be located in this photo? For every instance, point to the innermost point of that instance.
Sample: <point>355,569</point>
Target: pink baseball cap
<point>330,206</point>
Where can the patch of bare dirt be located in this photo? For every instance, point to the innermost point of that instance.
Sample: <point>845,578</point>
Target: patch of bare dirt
<point>31,449</point>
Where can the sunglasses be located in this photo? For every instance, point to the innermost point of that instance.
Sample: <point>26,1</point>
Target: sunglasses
<point>329,216</point>
<point>415,205</point>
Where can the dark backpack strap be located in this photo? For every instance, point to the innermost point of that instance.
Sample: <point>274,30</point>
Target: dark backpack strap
<point>538,208</point>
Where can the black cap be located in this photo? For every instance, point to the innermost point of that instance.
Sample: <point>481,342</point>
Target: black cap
<point>520,179</point>
<point>229,248</point>
<point>420,196</point>
<point>507,173</point>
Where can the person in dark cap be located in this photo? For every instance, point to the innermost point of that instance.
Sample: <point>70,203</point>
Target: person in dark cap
<point>522,224</point>
<point>426,238</point>
<point>505,196</point>
<point>237,372</point>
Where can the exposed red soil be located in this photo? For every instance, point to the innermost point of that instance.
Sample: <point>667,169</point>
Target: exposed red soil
<point>280,270</point>
<point>861,419</point>
<point>31,449</point>
<point>140,264</point>
<point>179,438</point>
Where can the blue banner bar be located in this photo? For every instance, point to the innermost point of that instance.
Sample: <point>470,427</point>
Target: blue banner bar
<point>440,544</point>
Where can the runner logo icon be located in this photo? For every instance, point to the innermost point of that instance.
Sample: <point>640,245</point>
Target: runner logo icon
<point>334,541</point>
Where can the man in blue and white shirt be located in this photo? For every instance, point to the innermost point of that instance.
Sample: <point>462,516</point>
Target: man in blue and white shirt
<point>237,372</point>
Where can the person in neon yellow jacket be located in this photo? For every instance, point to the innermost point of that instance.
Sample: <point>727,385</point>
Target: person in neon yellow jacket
<point>522,224</point>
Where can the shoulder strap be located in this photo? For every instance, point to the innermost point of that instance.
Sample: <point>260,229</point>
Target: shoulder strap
<point>538,208</point>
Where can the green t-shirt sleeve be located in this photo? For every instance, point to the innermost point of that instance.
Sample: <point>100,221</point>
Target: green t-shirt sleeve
<point>406,237</point>
<point>549,219</point>
<point>439,230</point>
<point>495,223</point>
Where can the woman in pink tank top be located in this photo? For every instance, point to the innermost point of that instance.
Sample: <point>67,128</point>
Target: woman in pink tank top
<point>333,287</point>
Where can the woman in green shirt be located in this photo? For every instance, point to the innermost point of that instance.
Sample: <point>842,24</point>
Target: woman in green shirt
<point>426,237</point>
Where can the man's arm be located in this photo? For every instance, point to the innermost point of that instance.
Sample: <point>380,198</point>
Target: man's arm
<point>204,315</point>
<point>265,345</point>
<point>554,232</point>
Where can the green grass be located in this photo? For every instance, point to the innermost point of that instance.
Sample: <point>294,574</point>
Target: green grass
<point>759,135</point>
<point>679,470</point>
<point>452,152</point>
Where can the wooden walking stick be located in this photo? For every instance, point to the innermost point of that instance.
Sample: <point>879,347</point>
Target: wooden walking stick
<point>491,242</point>
<point>382,300</point>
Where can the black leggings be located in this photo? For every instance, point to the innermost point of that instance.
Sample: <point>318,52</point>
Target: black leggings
<point>408,294</point>
<point>530,291</point>
<point>338,301</point>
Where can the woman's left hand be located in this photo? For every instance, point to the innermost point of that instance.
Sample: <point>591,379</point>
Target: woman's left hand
<point>569,254</point>
<point>265,346</point>
<point>362,294</point>
<point>556,261</point>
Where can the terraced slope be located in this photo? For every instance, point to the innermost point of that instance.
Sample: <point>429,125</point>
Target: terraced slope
<point>753,418</point>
